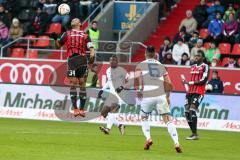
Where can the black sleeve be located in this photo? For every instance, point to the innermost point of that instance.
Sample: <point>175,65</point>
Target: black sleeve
<point>205,76</point>
<point>63,38</point>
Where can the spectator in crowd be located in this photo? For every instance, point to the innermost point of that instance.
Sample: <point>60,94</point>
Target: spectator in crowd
<point>40,4</point>
<point>217,7</point>
<point>38,22</point>
<point>90,4</point>
<point>165,48</point>
<point>230,28</point>
<point>215,85</point>
<point>237,18</point>
<point>200,13</point>
<point>193,39</point>
<point>231,63</point>
<point>168,59</point>
<point>16,30</point>
<point>237,15</point>
<point>50,8</point>
<point>4,32</point>
<point>63,19</point>
<point>4,17</point>
<point>238,62</point>
<point>212,53</point>
<point>215,62</point>
<point>228,12</point>
<point>182,34</point>
<point>94,34</point>
<point>170,4</point>
<point>225,3</point>
<point>189,22</point>
<point>215,29</point>
<point>178,49</point>
<point>184,61</point>
<point>198,46</point>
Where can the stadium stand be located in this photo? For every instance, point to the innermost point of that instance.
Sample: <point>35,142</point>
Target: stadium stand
<point>227,41</point>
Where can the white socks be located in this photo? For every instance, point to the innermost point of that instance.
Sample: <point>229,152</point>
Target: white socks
<point>146,129</point>
<point>172,131</point>
<point>112,119</point>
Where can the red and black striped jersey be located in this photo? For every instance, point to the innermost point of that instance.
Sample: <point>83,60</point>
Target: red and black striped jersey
<point>199,75</point>
<point>76,42</point>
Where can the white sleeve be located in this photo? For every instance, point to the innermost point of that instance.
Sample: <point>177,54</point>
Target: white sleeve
<point>174,52</point>
<point>106,85</point>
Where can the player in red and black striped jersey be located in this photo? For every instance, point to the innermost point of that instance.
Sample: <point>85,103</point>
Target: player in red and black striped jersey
<point>199,76</point>
<point>77,42</point>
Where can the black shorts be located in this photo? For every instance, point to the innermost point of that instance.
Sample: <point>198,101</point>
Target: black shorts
<point>194,98</point>
<point>77,66</point>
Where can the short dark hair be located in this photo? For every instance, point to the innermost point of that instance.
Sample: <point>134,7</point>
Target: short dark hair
<point>201,52</point>
<point>94,22</point>
<point>114,56</point>
<point>184,54</point>
<point>150,51</point>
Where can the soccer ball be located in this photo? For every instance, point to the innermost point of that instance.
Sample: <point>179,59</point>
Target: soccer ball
<point>64,9</point>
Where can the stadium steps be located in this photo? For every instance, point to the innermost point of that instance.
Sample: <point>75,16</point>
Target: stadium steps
<point>168,27</point>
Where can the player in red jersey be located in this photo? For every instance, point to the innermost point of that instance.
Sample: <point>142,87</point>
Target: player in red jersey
<point>199,76</point>
<point>77,42</point>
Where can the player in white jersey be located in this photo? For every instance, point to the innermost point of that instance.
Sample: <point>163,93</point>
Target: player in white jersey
<point>116,78</point>
<point>153,87</point>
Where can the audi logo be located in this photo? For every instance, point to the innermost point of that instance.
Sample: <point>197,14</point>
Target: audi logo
<point>27,74</point>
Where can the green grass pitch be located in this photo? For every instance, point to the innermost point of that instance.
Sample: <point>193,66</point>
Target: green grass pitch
<point>46,140</point>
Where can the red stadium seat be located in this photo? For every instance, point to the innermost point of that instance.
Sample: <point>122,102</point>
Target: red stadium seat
<point>44,41</point>
<point>236,49</point>
<point>17,52</point>
<point>207,45</point>
<point>32,53</point>
<point>225,61</point>
<point>203,33</point>
<point>32,39</point>
<point>225,48</point>
<point>54,27</point>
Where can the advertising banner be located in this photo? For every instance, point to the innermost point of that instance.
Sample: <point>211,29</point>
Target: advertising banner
<point>127,13</point>
<point>54,73</point>
<point>217,112</point>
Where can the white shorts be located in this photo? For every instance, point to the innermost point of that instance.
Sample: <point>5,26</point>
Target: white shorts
<point>158,104</point>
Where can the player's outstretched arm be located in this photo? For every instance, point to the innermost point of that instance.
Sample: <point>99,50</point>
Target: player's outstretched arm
<point>58,43</point>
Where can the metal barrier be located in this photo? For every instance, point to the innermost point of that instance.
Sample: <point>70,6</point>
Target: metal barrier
<point>105,50</point>
<point>100,6</point>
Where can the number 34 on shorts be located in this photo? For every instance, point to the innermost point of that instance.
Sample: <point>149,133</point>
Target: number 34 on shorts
<point>71,73</point>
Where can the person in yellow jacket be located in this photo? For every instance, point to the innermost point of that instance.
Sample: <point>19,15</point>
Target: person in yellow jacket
<point>94,34</point>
